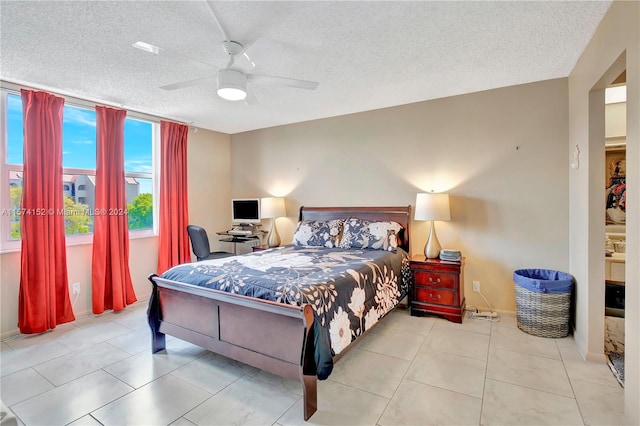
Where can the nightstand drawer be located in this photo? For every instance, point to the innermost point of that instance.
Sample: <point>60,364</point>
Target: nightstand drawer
<point>434,279</point>
<point>430,295</point>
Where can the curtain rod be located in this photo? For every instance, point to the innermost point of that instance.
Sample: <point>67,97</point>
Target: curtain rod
<point>14,88</point>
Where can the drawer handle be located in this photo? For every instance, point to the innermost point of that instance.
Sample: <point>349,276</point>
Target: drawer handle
<point>437,281</point>
<point>437,297</point>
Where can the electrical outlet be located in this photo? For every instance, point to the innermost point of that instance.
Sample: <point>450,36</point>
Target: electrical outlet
<point>75,289</point>
<point>476,286</point>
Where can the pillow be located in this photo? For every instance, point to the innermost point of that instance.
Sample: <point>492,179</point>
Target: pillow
<point>316,233</point>
<point>370,235</point>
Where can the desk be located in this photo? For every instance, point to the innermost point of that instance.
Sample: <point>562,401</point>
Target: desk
<point>247,241</point>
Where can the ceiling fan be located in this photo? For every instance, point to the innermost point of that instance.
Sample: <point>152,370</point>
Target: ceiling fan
<point>232,81</point>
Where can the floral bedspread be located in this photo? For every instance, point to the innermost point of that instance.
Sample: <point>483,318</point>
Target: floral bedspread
<point>349,290</point>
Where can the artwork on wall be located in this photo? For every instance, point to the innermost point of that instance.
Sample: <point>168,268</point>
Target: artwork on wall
<point>615,193</point>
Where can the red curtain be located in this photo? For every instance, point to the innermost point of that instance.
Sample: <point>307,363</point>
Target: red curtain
<point>174,207</point>
<point>44,291</point>
<point>110,277</point>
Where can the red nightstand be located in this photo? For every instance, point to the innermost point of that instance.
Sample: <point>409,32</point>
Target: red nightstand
<point>437,288</point>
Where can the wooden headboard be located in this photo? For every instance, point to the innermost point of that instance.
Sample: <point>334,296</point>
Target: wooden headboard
<point>401,214</point>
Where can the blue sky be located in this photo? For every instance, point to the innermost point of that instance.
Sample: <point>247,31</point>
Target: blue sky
<point>79,140</point>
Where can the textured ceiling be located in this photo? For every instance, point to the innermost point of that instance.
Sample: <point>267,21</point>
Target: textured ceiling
<point>365,55</point>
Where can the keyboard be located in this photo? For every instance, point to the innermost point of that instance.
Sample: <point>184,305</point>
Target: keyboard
<point>239,232</point>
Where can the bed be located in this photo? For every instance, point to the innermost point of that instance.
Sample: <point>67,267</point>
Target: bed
<point>297,318</point>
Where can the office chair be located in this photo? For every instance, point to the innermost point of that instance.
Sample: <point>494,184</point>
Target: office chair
<point>200,244</point>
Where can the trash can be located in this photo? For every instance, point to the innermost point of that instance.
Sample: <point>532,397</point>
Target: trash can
<point>543,301</point>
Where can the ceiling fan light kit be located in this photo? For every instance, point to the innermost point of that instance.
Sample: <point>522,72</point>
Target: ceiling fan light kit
<point>232,80</point>
<point>232,84</point>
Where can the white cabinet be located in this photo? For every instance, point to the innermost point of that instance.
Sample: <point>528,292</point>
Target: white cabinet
<point>615,120</point>
<point>614,267</point>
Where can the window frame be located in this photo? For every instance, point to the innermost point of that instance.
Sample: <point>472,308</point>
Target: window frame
<point>9,245</point>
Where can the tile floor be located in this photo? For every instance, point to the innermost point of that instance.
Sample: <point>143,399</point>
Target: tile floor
<point>408,371</point>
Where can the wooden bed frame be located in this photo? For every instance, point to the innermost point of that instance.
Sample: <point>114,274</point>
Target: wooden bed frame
<point>271,336</point>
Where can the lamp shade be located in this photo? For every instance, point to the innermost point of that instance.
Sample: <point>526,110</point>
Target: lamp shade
<point>272,207</point>
<point>430,206</point>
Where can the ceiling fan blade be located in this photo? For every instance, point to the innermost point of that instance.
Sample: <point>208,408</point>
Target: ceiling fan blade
<point>188,83</point>
<point>251,99</point>
<point>159,51</point>
<point>282,81</point>
<point>257,52</point>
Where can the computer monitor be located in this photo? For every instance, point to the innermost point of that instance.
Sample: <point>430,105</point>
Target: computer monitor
<point>245,210</point>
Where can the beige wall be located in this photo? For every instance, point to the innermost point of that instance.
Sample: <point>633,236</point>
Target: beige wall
<point>618,34</point>
<point>501,154</point>
<point>209,183</point>
<point>9,284</point>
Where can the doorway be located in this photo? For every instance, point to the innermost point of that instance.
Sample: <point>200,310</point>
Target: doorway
<point>615,224</point>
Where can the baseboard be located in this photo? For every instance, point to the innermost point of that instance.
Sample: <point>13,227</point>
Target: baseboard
<point>6,335</point>
<point>9,334</point>
<point>600,358</point>
<point>582,345</point>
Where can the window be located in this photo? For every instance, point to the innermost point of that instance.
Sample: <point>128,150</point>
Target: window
<point>79,168</point>
<point>138,173</point>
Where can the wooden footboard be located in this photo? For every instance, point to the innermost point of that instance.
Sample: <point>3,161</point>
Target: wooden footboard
<point>270,336</point>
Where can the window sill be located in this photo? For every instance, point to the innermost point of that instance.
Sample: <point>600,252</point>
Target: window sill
<point>15,247</point>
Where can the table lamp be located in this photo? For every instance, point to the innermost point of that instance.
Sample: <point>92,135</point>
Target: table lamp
<point>431,206</point>
<point>272,208</point>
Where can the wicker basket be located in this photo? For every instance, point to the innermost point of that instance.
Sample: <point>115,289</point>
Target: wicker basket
<point>543,314</point>
<point>543,302</point>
